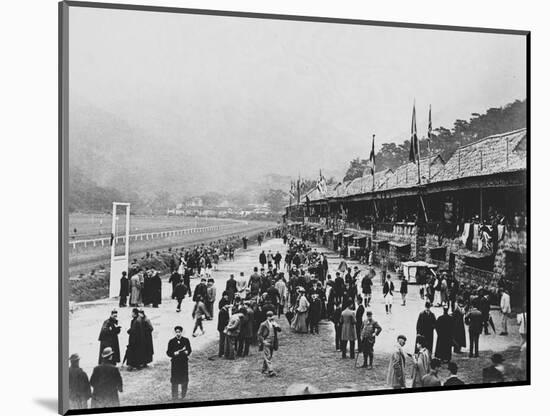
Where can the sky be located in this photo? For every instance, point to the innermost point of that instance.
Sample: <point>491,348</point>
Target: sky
<point>255,96</point>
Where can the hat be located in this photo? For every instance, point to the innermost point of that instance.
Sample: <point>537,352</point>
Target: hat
<point>107,352</point>
<point>269,313</point>
<point>74,357</point>
<point>178,327</point>
<point>497,359</point>
<point>369,313</point>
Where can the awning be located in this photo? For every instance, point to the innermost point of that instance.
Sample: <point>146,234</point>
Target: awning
<point>348,235</point>
<point>360,237</point>
<point>474,254</point>
<point>379,241</point>
<point>328,231</point>
<point>336,234</point>
<point>399,244</point>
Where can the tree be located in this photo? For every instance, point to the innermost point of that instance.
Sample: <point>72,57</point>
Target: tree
<point>356,169</point>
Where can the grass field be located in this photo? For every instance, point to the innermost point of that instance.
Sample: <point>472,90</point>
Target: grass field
<point>99,225</point>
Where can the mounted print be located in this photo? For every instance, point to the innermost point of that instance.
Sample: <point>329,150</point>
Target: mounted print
<point>264,207</point>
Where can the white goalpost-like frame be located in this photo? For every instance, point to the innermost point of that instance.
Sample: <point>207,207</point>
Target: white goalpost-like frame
<point>119,263</point>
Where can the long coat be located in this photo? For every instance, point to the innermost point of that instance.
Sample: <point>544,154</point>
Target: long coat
<point>135,289</point>
<point>108,337</point>
<point>348,321</point>
<point>79,388</point>
<point>136,353</point>
<point>396,369</point>
<point>148,330</point>
<point>124,287</point>
<point>444,327</point>
<point>107,383</point>
<point>459,334</point>
<point>156,290</point>
<point>421,367</point>
<point>179,373</point>
<point>425,326</point>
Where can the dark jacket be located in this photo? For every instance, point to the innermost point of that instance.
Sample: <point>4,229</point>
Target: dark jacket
<point>124,287</point>
<point>108,337</point>
<point>223,319</point>
<point>79,388</point>
<point>453,381</point>
<point>106,383</point>
<point>474,320</point>
<point>264,336</point>
<point>179,373</point>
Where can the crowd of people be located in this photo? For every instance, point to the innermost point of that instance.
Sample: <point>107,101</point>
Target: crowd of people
<point>299,288</point>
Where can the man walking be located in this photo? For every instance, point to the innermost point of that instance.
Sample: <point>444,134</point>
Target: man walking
<point>179,349</point>
<point>366,288</point>
<point>267,336</point>
<point>505,310</point>
<point>106,382</point>
<point>369,331</point>
<point>108,337</point>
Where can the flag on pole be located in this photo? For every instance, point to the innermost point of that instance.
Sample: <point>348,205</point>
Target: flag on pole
<point>371,163</point>
<point>414,151</point>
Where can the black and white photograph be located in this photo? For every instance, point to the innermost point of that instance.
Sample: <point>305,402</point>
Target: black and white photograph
<point>271,208</point>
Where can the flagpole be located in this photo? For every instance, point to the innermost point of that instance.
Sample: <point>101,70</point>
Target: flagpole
<point>429,144</point>
<point>373,162</point>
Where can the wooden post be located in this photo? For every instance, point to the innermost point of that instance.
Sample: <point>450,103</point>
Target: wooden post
<point>481,205</point>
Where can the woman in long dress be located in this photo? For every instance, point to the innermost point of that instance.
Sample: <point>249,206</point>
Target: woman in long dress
<point>421,362</point>
<point>299,322</point>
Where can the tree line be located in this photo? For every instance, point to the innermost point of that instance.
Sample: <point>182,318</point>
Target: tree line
<point>446,141</point>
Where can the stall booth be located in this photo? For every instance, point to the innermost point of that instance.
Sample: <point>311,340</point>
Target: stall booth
<point>357,247</point>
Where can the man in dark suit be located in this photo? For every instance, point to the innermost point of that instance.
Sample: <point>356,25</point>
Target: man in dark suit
<point>495,372</point>
<point>474,320</point>
<point>200,290</point>
<point>124,290</point>
<point>179,349</point>
<point>425,326</point>
<point>453,380</point>
<point>108,337</point>
<point>267,336</point>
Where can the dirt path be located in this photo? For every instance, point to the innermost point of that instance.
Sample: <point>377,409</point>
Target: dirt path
<point>301,357</point>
